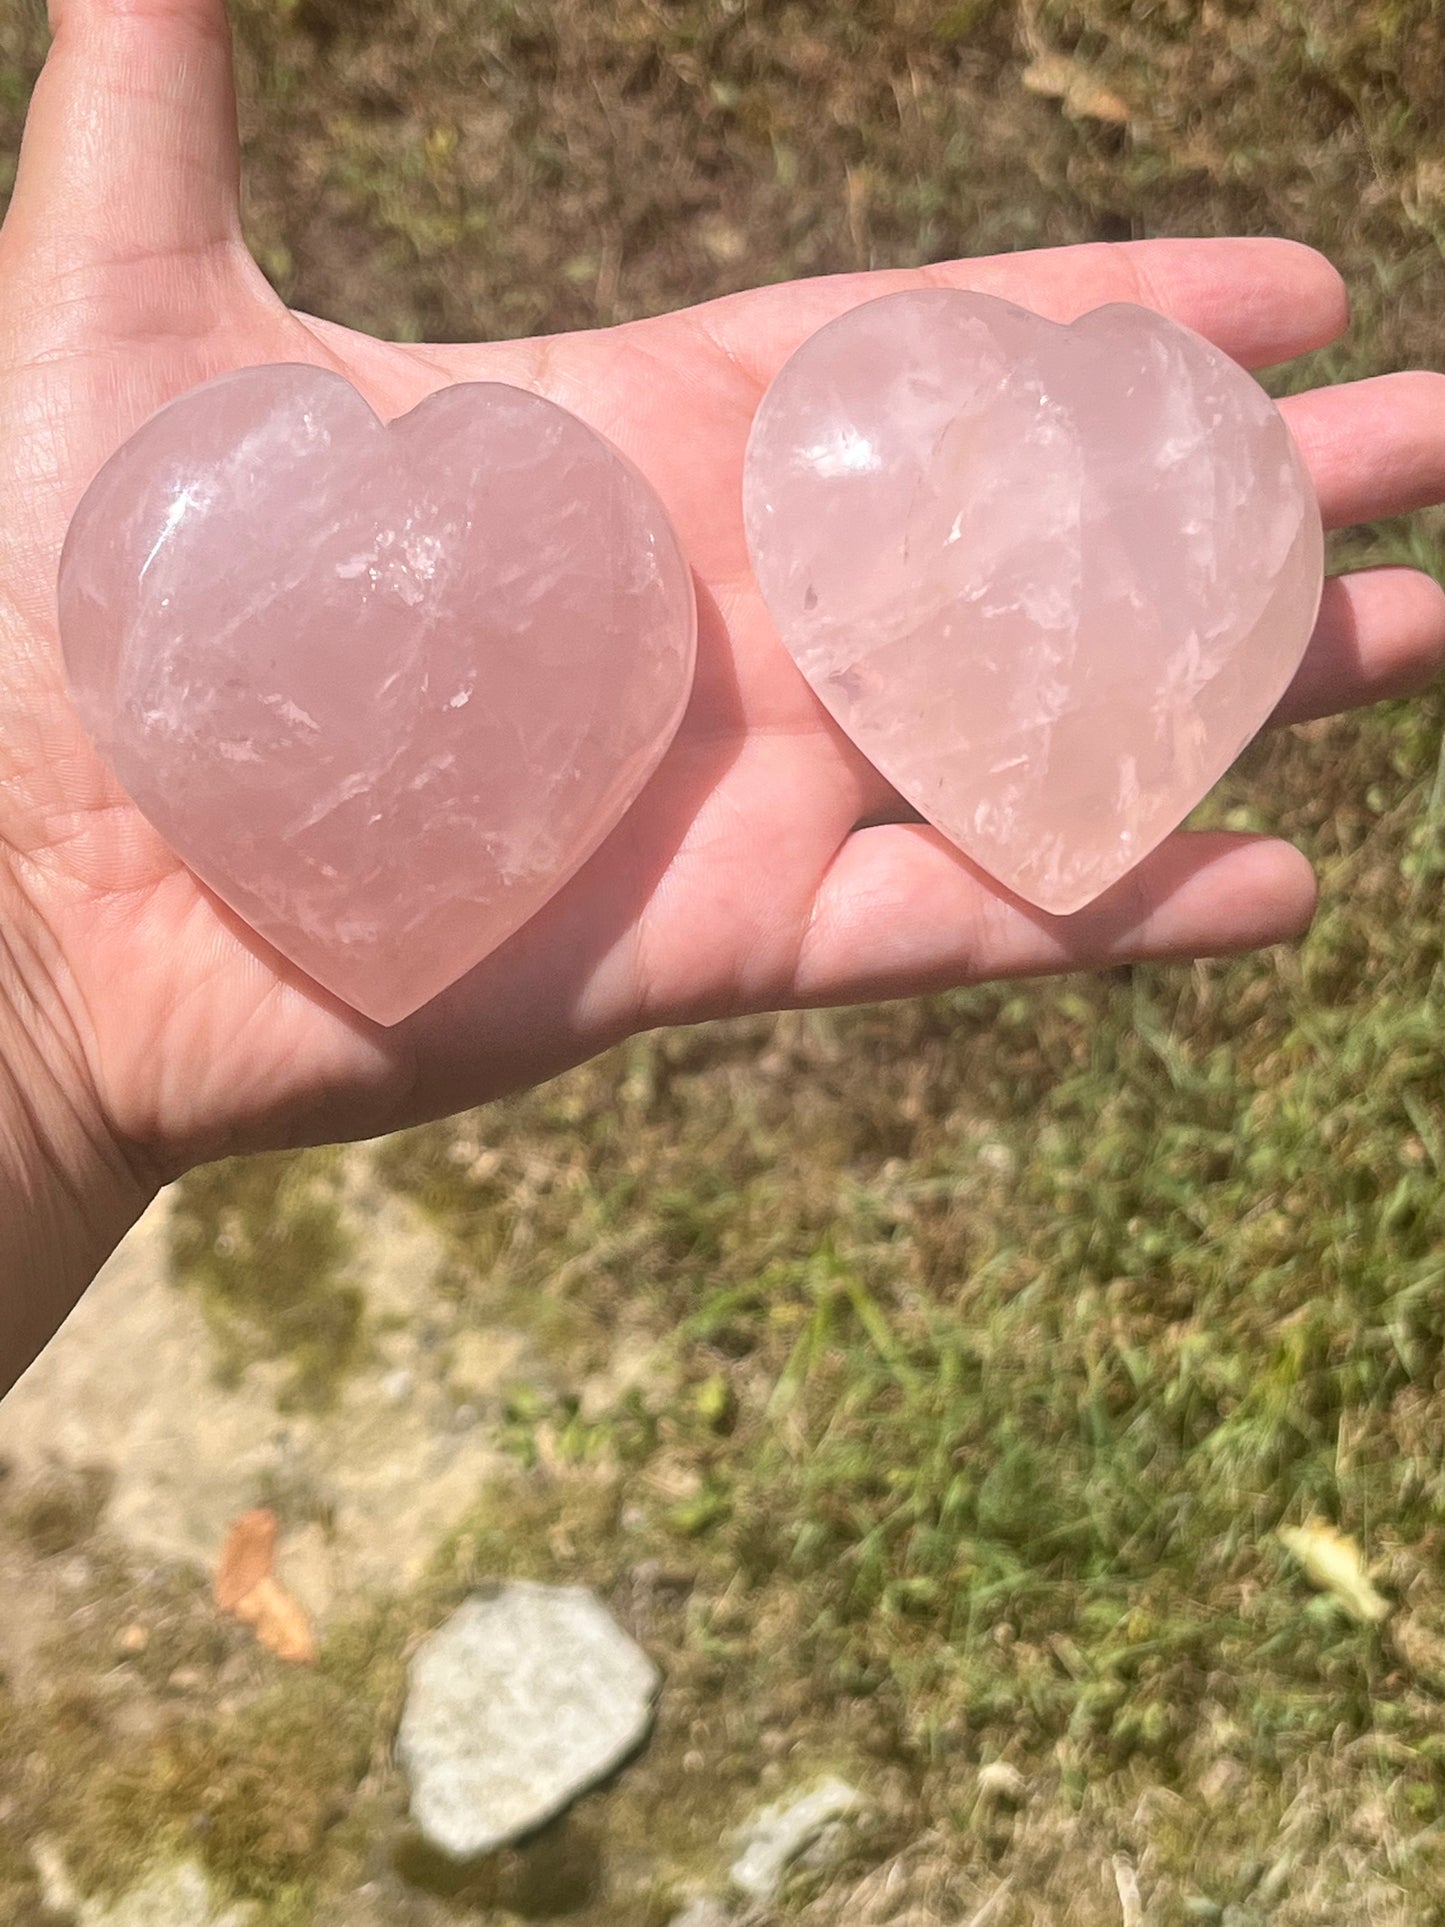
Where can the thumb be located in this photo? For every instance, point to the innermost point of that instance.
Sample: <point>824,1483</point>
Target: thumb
<point>130,150</point>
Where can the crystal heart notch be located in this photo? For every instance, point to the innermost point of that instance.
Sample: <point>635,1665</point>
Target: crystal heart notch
<point>1050,579</point>
<point>384,688</point>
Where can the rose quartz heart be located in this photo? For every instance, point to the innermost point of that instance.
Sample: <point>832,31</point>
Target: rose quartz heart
<point>1049,579</point>
<point>384,688</point>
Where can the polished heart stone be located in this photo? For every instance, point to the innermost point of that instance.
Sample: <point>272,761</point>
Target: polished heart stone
<point>1050,579</point>
<point>383,688</point>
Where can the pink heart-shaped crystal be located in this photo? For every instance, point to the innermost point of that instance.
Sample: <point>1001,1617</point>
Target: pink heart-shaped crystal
<point>1050,579</point>
<point>384,688</point>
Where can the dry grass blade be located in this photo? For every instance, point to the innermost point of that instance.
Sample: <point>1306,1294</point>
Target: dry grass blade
<point>1126,1881</point>
<point>991,1912</point>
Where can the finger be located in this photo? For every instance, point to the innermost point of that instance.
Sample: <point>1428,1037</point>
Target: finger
<point>130,148</point>
<point>1374,448</point>
<point>1380,633</point>
<point>1260,300</point>
<point>900,912</point>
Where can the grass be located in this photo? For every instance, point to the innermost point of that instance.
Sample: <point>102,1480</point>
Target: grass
<point>995,1336</point>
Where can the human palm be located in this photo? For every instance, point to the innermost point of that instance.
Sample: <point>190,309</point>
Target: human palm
<point>766,863</point>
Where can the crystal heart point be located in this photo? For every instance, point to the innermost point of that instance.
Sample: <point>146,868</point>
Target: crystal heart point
<point>1050,579</point>
<point>383,687</point>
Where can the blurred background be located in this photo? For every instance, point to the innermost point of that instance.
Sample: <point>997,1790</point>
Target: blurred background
<point>925,1387</point>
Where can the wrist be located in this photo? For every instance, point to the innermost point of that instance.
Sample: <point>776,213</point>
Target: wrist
<point>68,1192</point>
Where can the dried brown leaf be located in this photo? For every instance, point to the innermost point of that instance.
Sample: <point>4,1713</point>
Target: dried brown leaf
<point>246,1588</point>
<point>1078,91</point>
<point>279,1622</point>
<point>246,1557</point>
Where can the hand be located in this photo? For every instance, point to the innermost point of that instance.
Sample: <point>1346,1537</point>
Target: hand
<point>765,865</point>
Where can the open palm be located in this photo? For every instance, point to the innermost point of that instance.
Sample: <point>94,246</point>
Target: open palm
<point>766,863</point>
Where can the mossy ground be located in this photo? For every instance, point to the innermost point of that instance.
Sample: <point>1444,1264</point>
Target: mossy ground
<point>1001,1330</point>
<point>263,1240</point>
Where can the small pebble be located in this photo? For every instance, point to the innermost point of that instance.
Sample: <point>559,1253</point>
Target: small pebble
<point>769,1844</point>
<point>1000,1781</point>
<point>704,1911</point>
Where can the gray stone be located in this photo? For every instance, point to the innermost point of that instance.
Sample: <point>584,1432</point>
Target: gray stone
<point>520,1702</point>
<point>770,1842</point>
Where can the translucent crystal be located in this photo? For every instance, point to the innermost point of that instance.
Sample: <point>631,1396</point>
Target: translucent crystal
<point>384,689</point>
<point>1049,579</point>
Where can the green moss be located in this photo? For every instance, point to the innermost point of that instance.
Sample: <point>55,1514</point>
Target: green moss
<point>188,1740</point>
<point>263,1241</point>
<point>268,1799</point>
<point>62,1511</point>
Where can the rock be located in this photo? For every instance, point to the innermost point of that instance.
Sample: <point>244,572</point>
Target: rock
<point>179,1895</point>
<point>57,1891</point>
<point>705,1911</point>
<point>520,1702</point>
<point>1001,1781</point>
<point>769,1844</point>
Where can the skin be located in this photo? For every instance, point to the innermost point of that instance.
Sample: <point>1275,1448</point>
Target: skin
<point>143,1030</point>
